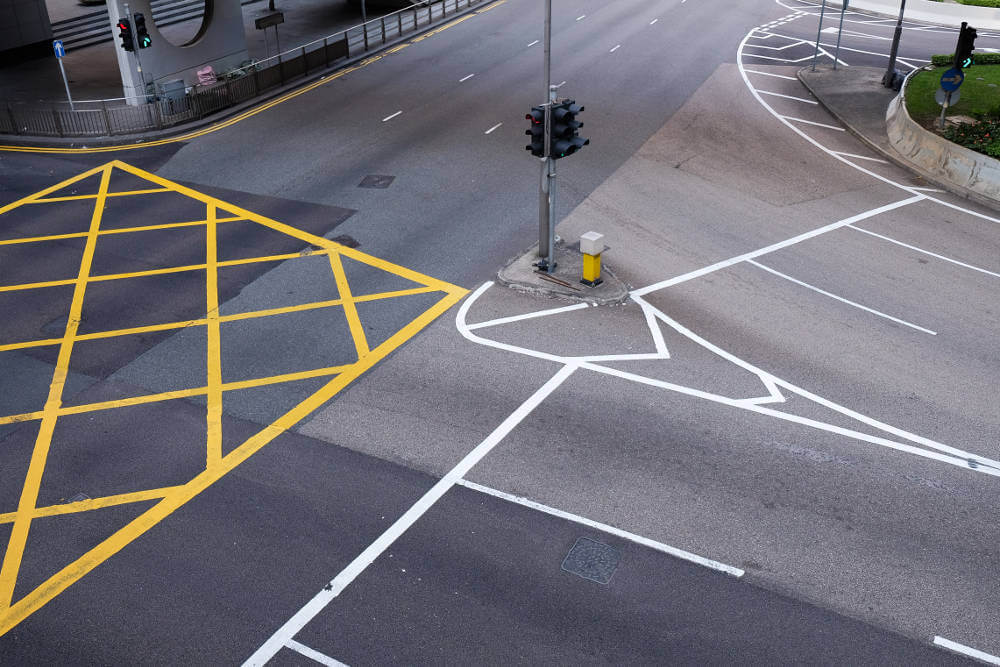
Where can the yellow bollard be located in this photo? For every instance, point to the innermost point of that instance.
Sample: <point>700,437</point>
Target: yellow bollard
<point>592,245</point>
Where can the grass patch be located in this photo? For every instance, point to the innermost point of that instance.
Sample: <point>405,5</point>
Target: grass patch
<point>979,99</point>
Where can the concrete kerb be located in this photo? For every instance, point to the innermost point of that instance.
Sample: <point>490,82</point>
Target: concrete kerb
<point>564,283</point>
<point>27,141</point>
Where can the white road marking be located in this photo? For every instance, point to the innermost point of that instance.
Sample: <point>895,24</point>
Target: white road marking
<point>581,17</point>
<point>392,116</point>
<point>861,157</point>
<point>670,282</point>
<point>533,43</point>
<point>840,298</point>
<point>631,537</point>
<point>337,585</point>
<point>787,97</point>
<point>812,122</point>
<point>615,48</point>
<point>926,252</point>
<point>527,316</point>
<point>967,650</point>
<point>466,77</point>
<point>653,21</point>
<point>780,76</point>
<point>493,128</point>
<point>313,654</point>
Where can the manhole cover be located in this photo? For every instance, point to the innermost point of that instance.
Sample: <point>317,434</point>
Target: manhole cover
<point>376,181</point>
<point>592,560</point>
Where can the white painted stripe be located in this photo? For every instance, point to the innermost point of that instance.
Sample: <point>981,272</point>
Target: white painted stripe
<point>927,190</point>
<point>581,17</point>
<point>611,530</point>
<point>860,157</point>
<point>400,526</point>
<point>493,128</point>
<point>527,316</point>
<point>967,650</point>
<point>653,21</point>
<point>840,298</point>
<point>670,282</point>
<point>615,48</point>
<point>533,43</point>
<point>811,122</point>
<point>313,654</point>
<point>926,252</point>
<point>787,97</point>
<point>466,77</point>
<point>779,76</point>
<point>392,116</point>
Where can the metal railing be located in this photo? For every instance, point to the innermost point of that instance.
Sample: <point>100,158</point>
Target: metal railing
<point>104,118</point>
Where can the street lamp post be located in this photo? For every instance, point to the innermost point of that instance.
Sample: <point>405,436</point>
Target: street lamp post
<point>889,78</point>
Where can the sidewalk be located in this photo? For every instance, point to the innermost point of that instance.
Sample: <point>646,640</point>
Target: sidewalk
<point>928,11</point>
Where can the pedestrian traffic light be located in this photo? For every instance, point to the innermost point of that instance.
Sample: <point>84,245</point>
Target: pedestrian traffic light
<point>966,42</point>
<point>141,34</point>
<point>564,138</point>
<point>125,32</point>
<point>536,131</point>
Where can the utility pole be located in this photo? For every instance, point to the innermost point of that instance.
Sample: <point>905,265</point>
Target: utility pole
<point>135,50</point>
<point>547,184</point>
<point>889,78</point>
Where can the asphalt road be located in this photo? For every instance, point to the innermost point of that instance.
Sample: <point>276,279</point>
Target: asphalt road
<point>809,458</point>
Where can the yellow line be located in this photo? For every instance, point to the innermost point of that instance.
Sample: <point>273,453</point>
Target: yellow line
<point>105,232</point>
<point>494,5</point>
<point>33,480</point>
<point>57,186</point>
<point>350,310</point>
<point>110,194</point>
<point>214,335</point>
<point>94,503</point>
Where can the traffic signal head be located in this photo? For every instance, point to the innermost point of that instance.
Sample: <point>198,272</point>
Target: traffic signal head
<point>564,138</point>
<point>966,43</point>
<point>536,131</point>
<point>125,32</point>
<point>141,34</point>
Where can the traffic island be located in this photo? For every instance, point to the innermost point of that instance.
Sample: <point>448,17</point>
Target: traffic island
<point>565,282</point>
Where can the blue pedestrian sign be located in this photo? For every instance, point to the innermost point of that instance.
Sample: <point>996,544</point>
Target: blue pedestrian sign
<point>57,46</point>
<point>952,79</point>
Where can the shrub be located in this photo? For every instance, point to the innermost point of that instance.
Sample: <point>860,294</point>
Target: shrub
<point>977,58</point>
<point>983,137</point>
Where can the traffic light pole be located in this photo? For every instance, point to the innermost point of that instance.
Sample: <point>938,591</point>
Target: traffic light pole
<point>135,49</point>
<point>889,78</point>
<point>547,184</point>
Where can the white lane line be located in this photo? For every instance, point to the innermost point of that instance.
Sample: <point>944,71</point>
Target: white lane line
<point>392,116</point>
<point>313,654</point>
<point>493,128</point>
<point>615,48</point>
<point>967,650</point>
<point>861,157</point>
<point>400,526</point>
<point>779,76</point>
<point>670,282</point>
<point>812,122</point>
<point>926,252</point>
<point>787,97</point>
<point>466,77</point>
<point>533,43</point>
<point>603,527</point>
<point>527,316</point>
<point>581,17</point>
<point>653,21</point>
<point>840,298</point>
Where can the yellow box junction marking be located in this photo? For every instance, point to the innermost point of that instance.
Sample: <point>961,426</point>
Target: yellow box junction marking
<point>168,499</point>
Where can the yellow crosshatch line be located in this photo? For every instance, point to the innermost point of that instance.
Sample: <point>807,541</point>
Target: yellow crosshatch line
<point>104,232</point>
<point>168,499</point>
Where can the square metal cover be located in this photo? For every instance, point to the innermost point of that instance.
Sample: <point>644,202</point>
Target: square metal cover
<point>592,560</point>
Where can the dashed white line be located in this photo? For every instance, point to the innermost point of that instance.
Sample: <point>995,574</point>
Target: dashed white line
<point>392,116</point>
<point>840,298</point>
<point>653,21</point>
<point>631,537</point>
<point>615,48</point>
<point>812,122</point>
<point>787,97</point>
<point>967,650</point>
<point>926,252</point>
<point>493,128</point>
<point>466,77</point>
<point>581,17</point>
<point>533,43</point>
<point>313,654</point>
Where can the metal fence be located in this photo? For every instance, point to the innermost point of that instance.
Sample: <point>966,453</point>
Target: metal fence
<point>102,118</point>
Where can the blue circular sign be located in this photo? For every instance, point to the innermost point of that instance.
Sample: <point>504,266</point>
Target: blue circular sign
<point>952,79</point>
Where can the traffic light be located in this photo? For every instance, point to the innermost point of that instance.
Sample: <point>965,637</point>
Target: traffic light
<point>125,32</point>
<point>141,34</point>
<point>537,131</point>
<point>565,140</point>
<point>966,42</point>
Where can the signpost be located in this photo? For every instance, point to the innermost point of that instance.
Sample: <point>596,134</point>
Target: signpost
<point>60,51</point>
<point>270,21</point>
<point>950,81</point>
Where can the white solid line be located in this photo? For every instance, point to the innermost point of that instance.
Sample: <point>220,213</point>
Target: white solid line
<point>526,316</point>
<point>384,541</point>
<point>466,78</point>
<point>861,157</point>
<point>967,650</point>
<point>787,97</point>
<point>392,116</point>
<point>313,654</point>
<point>810,122</point>
<point>581,17</point>
<point>926,252</point>
<point>632,537</point>
<point>493,128</point>
<point>840,298</point>
<point>653,21</point>
<point>533,43</point>
<point>670,282</point>
<point>780,76</point>
<point>615,48</point>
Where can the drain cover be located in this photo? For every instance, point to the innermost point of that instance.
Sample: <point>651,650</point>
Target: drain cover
<point>592,560</point>
<point>376,181</point>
